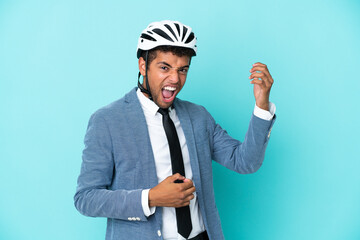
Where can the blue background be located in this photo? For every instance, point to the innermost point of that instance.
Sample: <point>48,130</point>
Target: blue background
<point>62,60</point>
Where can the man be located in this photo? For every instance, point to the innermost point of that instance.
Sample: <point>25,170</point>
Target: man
<point>147,162</point>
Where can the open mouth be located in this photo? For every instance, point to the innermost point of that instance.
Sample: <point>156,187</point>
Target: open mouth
<point>168,93</point>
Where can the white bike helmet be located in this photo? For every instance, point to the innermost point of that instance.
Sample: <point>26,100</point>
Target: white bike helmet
<point>166,33</point>
<point>163,33</point>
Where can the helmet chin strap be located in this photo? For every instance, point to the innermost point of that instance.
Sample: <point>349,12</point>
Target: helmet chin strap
<point>142,89</point>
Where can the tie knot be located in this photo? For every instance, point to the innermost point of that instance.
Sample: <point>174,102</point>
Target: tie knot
<point>163,111</point>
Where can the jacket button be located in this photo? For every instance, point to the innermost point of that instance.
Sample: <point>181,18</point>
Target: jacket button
<point>159,233</point>
<point>129,218</point>
<point>138,219</point>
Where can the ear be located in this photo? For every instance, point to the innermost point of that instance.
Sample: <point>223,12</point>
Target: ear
<point>142,66</point>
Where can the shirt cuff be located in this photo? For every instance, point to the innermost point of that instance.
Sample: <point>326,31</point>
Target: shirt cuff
<point>263,114</point>
<point>145,203</point>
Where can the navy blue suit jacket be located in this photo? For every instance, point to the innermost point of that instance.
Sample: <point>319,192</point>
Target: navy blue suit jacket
<point>118,163</point>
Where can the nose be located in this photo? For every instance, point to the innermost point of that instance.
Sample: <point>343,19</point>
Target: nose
<point>174,75</point>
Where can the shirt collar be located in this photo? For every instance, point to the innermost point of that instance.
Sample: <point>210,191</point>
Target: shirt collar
<point>148,105</point>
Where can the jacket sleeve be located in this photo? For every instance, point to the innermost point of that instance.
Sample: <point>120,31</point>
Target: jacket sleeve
<point>94,196</point>
<point>242,157</point>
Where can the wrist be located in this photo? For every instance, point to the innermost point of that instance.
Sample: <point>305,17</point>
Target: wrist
<point>151,198</point>
<point>264,106</point>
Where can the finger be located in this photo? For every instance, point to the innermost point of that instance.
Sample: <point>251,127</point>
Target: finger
<point>267,77</point>
<point>186,203</point>
<point>187,180</point>
<point>257,81</point>
<point>189,198</point>
<point>189,191</point>
<point>186,196</point>
<point>187,185</point>
<point>259,64</point>
<point>176,176</point>
<point>259,68</point>
<point>262,78</point>
<point>257,75</point>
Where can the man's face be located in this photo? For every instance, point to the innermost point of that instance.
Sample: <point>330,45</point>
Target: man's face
<point>166,75</point>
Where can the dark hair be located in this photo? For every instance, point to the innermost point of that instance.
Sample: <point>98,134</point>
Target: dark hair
<point>178,51</point>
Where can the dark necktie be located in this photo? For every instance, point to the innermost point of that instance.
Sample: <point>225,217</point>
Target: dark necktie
<point>183,213</point>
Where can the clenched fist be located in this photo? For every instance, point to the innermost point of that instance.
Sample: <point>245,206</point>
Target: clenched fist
<point>171,194</point>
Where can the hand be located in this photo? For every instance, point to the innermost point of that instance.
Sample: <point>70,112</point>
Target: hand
<point>171,194</point>
<point>261,87</point>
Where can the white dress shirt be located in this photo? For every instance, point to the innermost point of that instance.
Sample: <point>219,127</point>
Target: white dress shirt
<point>162,158</point>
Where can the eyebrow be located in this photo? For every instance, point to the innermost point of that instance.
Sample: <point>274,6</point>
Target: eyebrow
<point>165,63</point>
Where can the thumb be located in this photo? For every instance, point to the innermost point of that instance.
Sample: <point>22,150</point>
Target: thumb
<point>176,176</point>
<point>187,180</point>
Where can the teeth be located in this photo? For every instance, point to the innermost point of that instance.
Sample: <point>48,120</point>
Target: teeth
<point>170,88</point>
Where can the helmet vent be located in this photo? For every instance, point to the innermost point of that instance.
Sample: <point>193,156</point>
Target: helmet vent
<point>184,32</point>
<point>177,28</point>
<point>148,37</point>
<point>190,38</point>
<point>170,29</point>
<point>149,32</point>
<point>163,34</point>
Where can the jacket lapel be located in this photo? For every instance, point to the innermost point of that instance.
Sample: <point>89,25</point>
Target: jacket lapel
<point>138,128</point>
<point>187,127</point>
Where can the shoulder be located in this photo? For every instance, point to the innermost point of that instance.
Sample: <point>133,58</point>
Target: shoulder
<point>191,108</point>
<point>197,113</point>
<point>115,109</point>
<point>109,111</point>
